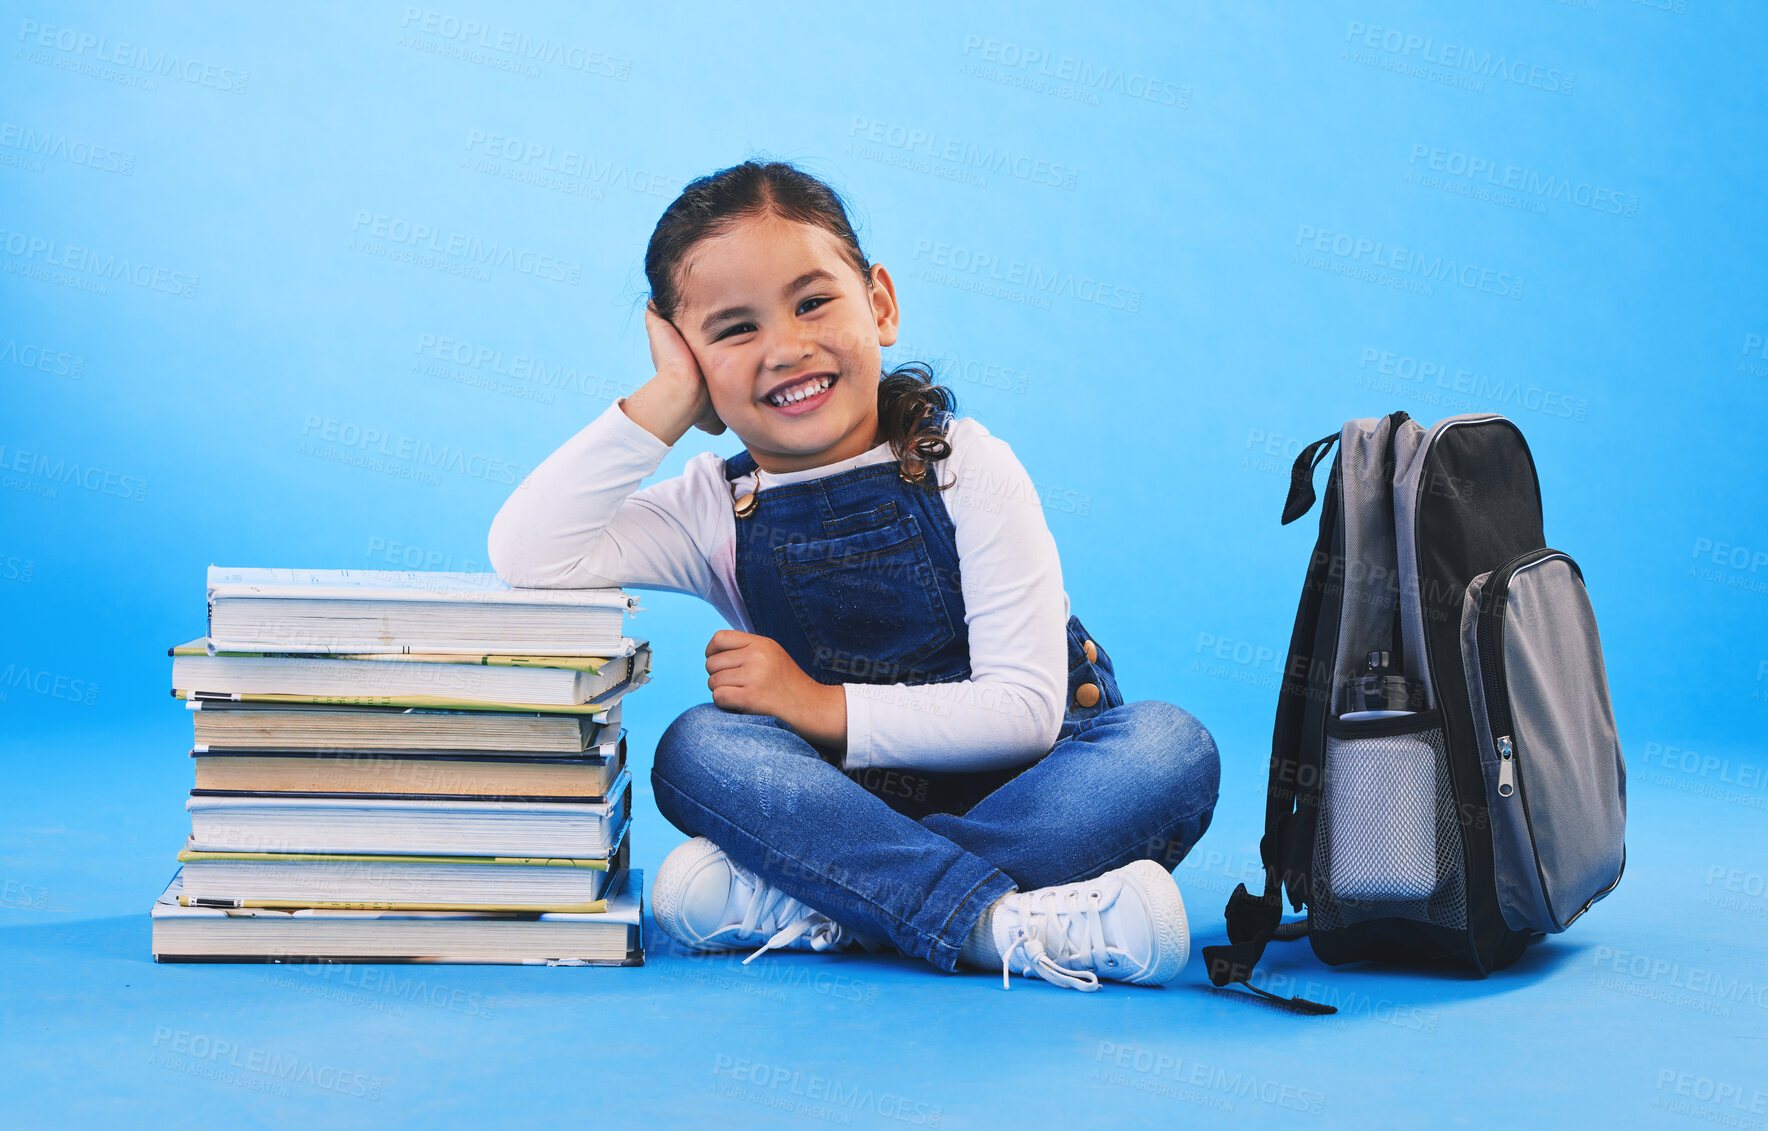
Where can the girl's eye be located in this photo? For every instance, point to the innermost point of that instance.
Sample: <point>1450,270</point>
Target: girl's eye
<point>744,327</point>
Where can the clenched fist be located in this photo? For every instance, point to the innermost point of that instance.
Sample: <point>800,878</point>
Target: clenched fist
<point>753,675</point>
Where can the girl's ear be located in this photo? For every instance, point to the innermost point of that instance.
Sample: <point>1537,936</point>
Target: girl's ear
<point>884,307</point>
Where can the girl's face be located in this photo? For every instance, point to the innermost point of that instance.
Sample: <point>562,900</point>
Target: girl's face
<point>788,336</point>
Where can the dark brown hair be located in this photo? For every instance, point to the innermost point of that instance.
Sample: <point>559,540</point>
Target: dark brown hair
<point>912,408</point>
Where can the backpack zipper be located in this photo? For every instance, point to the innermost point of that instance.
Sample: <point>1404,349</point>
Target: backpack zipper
<point>1491,668</point>
<point>1506,766</point>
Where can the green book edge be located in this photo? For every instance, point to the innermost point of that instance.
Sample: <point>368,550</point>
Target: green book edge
<point>186,855</point>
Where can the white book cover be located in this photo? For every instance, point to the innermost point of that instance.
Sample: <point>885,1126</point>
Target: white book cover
<point>390,807</point>
<point>398,585</point>
<point>409,826</point>
<point>320,675</point>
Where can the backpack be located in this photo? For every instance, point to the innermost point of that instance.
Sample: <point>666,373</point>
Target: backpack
<point>1446,780</point>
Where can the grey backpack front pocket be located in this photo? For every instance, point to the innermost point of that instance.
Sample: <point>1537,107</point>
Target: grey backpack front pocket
<point>1556,786</point>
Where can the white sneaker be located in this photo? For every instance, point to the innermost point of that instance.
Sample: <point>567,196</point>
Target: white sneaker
<point>1127,925</point>
<point>707,901</point>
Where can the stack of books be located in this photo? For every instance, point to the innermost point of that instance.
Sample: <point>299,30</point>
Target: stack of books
<point>406,767</point>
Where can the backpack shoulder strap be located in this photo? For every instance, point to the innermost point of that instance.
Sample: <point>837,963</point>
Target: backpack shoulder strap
<point>1301,478</point>
<point>1254,921</point>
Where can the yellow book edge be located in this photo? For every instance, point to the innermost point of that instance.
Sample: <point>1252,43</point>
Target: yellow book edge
<point>413,701</point>
<point>599,864</point>
<point>590,664</point>
<point>594,907</point>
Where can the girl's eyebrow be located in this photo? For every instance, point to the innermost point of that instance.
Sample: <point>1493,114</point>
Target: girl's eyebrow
<point>817,276</point>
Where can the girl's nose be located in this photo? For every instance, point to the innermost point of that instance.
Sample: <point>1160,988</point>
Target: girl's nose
<point>788,349</point>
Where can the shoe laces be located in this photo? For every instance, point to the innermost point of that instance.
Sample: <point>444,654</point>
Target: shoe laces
<point>772,910</point>
<point>1056,926</point>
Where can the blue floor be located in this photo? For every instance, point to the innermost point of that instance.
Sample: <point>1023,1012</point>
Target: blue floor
<point>1650,1012</point>
<point>1155,248</point>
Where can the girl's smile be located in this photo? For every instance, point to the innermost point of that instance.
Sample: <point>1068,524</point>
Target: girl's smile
<point>799,396</point>
<point>788,336</point>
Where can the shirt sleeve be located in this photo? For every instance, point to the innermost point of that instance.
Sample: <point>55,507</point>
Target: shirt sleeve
<point>579,521</point>
<point>1016,611</point>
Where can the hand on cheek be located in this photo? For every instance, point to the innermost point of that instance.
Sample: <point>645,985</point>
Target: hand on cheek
<point>753,675</point>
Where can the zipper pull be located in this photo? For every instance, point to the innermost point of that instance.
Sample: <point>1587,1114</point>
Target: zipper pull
<point>1506,766</point>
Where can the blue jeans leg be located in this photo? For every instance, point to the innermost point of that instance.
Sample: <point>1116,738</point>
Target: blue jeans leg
<point>1136,782</point>
<point>762,793</point>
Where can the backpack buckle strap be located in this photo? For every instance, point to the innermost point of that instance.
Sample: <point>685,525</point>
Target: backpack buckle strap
<point>1250,916</point>
<point>1301,478</point>
<point>1253,921</point>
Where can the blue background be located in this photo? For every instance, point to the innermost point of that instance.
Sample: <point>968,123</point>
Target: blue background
<point>1157,248</point>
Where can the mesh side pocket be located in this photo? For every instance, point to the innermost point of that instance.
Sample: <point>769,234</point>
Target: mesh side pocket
<point>1387,845</point>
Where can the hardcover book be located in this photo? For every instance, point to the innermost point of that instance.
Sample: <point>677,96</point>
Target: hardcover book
<point>585,777</point>
<point>237,822</point>
<point>593,683</point>
<point>208,934</point>
<point>232,724</point>
<point>353,610</point>
<point>364,882</point>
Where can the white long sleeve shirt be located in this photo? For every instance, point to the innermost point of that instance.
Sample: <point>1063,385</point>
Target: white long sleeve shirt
<point>580,520</point>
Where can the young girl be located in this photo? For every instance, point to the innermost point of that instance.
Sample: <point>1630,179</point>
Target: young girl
<point>911,740</point>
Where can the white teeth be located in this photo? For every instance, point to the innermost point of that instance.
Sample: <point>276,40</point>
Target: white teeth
<point>796,395</point>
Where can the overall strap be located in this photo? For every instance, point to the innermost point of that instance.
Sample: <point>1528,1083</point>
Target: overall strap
<point>739,465</point>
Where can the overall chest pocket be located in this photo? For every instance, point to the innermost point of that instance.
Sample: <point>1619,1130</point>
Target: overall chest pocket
<point>869,602</point>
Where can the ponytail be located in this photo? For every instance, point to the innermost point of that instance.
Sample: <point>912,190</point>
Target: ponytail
<point>913,414</point>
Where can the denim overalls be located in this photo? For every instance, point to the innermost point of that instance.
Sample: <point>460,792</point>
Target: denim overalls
<point>856,576</point>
